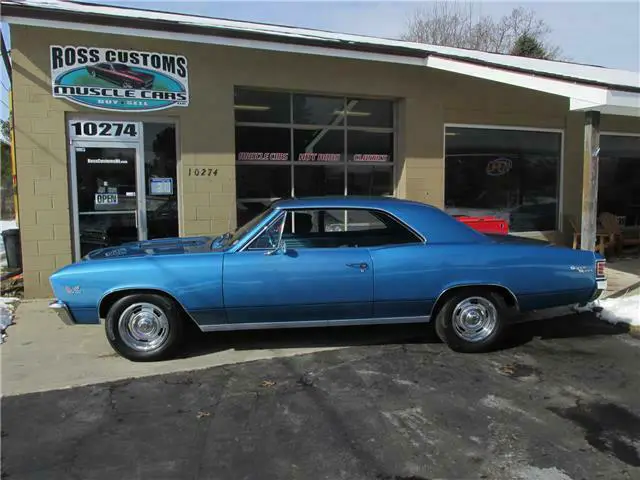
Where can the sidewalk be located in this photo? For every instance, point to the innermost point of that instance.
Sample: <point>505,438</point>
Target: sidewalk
<point>623,275</point>
<point>42,353</point>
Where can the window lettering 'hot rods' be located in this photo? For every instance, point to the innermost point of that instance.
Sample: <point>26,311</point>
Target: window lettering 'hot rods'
<point>321,262</point>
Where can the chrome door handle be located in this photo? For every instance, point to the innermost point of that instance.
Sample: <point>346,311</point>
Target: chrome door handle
<point>362,266</point>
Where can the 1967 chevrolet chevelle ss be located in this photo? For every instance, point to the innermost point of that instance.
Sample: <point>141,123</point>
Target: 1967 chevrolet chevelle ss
<point>321,262</point>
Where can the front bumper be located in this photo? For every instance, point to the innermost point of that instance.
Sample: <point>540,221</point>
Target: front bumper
<point>63,312</point>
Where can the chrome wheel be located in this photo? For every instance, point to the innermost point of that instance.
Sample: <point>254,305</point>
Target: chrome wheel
<point>474,319</point>
<point>143,327</point>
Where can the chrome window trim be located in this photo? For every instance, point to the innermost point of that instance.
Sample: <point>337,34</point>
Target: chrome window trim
<point>283,211</point>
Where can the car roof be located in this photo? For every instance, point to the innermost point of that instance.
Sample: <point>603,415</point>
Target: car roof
<point>431,222</point>
<point>341,201</point>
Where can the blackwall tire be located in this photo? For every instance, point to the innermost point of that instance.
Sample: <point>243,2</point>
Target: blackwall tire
<point>472,321</point>
<point>144,327</point>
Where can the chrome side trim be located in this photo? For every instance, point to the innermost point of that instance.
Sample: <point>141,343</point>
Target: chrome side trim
<point>478,285</point>
<point>63,312</point>
<point>314,323</point>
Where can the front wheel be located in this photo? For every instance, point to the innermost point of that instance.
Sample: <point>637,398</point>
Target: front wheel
<point>472,321</point>
<point>144,327</point>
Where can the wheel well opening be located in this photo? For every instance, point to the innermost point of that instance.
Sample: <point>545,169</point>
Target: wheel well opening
<point>506,295</point>
<point>108,301</point>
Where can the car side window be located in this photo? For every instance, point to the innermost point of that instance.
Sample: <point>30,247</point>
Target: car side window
<point>334,228</point>
<point>270,237</point>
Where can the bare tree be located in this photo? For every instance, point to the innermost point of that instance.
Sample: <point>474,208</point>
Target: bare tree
<point>454,24</point>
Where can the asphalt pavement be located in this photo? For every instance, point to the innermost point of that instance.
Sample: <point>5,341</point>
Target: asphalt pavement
<point>561,401</point>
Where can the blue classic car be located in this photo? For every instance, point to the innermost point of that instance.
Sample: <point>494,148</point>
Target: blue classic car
<point>321,262</point>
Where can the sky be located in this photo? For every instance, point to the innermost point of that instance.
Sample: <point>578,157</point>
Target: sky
<point>605,33</point>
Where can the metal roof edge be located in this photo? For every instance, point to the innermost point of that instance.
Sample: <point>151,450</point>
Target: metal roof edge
<point>53,14</point>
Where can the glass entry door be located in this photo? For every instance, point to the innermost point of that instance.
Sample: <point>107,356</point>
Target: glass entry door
<point>106,190</point>
<point>123,182</point>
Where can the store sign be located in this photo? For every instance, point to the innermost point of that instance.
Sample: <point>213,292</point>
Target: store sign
<point>119,80</point>
<point>106,199</point>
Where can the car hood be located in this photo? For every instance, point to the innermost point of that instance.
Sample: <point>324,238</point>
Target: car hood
<point>160,246</point>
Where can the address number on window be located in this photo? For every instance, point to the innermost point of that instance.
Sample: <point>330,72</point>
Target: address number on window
<point>102,130</point>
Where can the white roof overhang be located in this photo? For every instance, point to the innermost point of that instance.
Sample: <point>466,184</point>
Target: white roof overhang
<point>581,97</point>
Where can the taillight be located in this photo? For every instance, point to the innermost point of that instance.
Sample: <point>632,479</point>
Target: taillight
<point>600,268</point>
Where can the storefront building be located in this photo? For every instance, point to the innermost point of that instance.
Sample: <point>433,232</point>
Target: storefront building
<point>132,125</point>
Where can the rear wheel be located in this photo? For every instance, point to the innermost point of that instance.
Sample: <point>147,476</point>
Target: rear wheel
<point>472,321</point>
<point>144,327</point>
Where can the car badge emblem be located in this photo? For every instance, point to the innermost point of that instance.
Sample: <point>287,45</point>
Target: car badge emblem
<point>73,290</point>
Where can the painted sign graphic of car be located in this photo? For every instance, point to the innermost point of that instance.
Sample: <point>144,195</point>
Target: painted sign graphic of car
<point>122,75</point>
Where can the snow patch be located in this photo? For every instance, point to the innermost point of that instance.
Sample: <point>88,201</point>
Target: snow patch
<point>625,309</point>
<point>535,473</point>
<point>7,312</point>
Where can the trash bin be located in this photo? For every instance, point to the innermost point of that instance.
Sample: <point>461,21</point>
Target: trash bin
<point>11,241</point>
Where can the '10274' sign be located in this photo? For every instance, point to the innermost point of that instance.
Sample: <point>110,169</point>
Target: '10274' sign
<point>121,80</point>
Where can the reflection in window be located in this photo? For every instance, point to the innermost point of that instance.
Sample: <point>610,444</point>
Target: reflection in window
<point>99,231</point>
<point>369,113</point>
<point>316,110</point>
<point>510,174</point>
<point>160,157</point>
<point>318,146</point>
<point>318,180</point>
<point>263,181</point>
<point>369,180</point>
<point>259,144</point>
<point>619,178</point>
<point>262,106</point>
<point>369,147</point>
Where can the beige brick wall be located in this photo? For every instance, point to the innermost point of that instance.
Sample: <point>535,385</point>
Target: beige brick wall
<point>427,99</point>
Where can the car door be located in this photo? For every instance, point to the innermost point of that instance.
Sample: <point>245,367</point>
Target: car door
<point>301,283</point>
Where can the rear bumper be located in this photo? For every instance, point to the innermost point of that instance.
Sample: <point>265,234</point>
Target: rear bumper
<point>63,312</point>
<point>601,287</point>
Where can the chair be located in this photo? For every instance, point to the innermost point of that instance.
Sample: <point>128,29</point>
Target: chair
<point>620,238</point>
<point>603,239</point>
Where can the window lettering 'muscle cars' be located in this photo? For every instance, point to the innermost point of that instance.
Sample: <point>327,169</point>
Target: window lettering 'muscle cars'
<point>320,262</point>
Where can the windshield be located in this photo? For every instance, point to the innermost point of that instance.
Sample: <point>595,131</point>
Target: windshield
<point>232,239</point>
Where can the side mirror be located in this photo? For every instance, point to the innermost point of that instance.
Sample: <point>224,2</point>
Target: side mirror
<point>282,248</point>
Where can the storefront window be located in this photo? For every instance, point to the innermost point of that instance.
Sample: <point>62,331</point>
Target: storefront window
<point>261,106</point>
<point>619,178</point>
<point>318,146</point>
<point>160,164</point>
<point>510,174</point>
<point>316,110</point>
<point>310,145</point>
